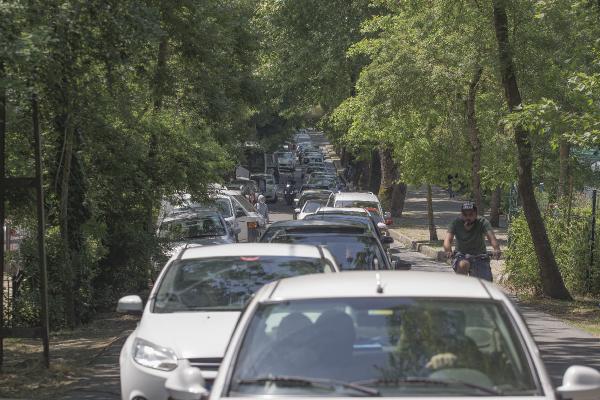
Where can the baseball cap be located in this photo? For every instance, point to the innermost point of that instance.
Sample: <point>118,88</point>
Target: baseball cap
<point>468,205</point>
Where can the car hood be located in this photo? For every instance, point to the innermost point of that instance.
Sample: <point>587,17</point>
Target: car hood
<point>190,334</point>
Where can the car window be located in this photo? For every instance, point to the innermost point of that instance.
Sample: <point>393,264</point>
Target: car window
<point>351,252</point>
<point>311,206</point>
<point>396,346</point>
<point>192,227</point>
<point>226,282</point>
<point>373,205</point>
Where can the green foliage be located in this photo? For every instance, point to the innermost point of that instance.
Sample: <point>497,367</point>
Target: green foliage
<point>570,243</point>
<point>143,100</point>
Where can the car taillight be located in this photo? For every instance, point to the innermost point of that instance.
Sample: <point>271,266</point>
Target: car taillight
<point>252,224</point>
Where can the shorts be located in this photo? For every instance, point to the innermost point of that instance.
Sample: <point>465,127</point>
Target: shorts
<point>480,268</point>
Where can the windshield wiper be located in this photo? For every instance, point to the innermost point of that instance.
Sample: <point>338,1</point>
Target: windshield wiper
<point>313,382</point>
<point>452,382</point>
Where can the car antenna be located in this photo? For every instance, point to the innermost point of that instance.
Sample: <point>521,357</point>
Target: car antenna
<point>379,285</point>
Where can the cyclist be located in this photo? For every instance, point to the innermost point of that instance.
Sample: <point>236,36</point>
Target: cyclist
<point>470,231</point>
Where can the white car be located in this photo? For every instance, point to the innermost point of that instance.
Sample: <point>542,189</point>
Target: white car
<point>251,224</point>
<point>414,335</point>
<point>366,200</point>
<point>195,305</point>
<point>355,200</point>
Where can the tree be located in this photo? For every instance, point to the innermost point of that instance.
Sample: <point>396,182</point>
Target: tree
<point>552,281</point>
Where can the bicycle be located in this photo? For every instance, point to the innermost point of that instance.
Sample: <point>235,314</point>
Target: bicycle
<point>479,264</point>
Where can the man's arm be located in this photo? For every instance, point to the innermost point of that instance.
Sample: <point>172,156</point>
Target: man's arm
<point>448,243</point>
<point>494,242</point>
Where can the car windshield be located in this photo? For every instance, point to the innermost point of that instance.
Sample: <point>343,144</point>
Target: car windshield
<point>351,252</point>
<point>192,227</point>
<point>225,283</point>
<point>304,199</point>
<point>311,206</point>
<point>398,347</point>
<point>363,219</point>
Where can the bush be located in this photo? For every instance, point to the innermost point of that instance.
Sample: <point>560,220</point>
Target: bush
<point>570,243</point>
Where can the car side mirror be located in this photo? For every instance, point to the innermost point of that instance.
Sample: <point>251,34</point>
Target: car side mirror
<point>130,305</point>
<point>387,240</point>
<point>580,383</point>
<point>186,383</point>
<point>297,210</point>
<point>381,226</point>
<point>239,213</point>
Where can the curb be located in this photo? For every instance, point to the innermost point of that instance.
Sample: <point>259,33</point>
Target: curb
<point>420,246</point>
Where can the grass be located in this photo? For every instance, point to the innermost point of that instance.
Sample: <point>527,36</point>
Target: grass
<point>580,313</point>
<point>71,355</point>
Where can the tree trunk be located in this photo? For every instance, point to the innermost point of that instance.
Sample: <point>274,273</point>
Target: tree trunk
<point>495,207</point>
<point>430,219</point>
<point>391,193</point>
<point>563,177</point>
<point>388,177</point>
<point>364,172</point>
<point>375,178</point>
<point>398,199</point>
<point>67,271</point>
<point>473,134</point>
<point>552,282</point>
<point>160,86</point>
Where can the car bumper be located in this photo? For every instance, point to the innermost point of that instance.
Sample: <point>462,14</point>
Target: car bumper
<point>147,383</point>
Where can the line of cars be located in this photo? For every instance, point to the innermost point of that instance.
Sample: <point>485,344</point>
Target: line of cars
<point>315,309</point>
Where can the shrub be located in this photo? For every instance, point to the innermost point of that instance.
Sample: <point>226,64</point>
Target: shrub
<point>569,238</point>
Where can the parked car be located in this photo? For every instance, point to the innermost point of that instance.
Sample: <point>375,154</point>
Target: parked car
<point>195,305</point>
<point>413,335</point>
<point>354,246</point>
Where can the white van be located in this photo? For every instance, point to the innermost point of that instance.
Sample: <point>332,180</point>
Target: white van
<point>251,223</point>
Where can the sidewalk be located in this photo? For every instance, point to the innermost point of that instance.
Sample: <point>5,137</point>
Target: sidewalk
<point>104,383</point>
<point>560,344</point>
<point>414,221</point>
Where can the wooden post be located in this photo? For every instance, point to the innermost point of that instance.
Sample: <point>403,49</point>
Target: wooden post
<point>2,216</point>
<point>44,323</point>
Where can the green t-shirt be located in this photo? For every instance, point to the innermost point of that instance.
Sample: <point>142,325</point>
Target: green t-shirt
<point>470,241</point>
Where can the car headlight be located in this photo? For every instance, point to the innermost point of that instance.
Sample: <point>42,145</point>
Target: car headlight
<point>153,356</point>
